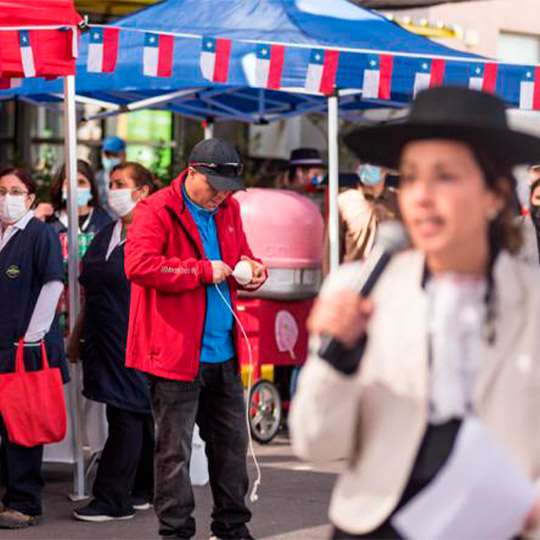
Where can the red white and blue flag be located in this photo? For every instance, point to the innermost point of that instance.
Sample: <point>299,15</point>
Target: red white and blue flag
<point>429,75</point>
<point>483,77</point>
<point>529,92</point>
<point>7,83</point>
<point>102,50</point>
<point>27,54</point>
<point>378,77</point>
<point>214,60</point>
<point>269,66</point>
<point>321,72</point>
<point>158,55</point>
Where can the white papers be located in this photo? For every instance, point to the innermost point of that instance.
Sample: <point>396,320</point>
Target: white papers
<point>480,493</point>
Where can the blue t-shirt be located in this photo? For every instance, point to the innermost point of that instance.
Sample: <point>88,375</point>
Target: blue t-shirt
<point>217,343</point>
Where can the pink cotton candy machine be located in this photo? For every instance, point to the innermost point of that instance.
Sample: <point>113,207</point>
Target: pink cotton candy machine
<point>285,230</point>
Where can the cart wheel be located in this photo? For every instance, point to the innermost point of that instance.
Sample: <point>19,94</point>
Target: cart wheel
<point>264,411</point>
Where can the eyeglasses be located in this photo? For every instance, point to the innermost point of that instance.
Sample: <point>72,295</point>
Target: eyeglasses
<point>221,169</point>
<point>14,192</point>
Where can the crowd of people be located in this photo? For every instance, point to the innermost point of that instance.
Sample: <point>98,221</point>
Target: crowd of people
<point>449,332</point>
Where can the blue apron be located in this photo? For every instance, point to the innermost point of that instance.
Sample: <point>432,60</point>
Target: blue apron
<point>104,334</point>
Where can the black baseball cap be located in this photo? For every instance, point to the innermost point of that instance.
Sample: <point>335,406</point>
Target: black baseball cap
<point>220,162</point>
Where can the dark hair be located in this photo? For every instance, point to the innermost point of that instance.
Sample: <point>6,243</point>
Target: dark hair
<point>141,175</point>
<point>23,175</point>
<point>504,232</point>
<point>85,169</point>
<point>533,186</point>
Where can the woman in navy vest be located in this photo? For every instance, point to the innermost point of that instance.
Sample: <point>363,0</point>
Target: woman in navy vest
<point>30,286</point>
<point>124,480</point>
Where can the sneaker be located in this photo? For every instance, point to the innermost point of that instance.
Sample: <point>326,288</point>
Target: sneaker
<point>13,519</point>
<point>94,514</point>
<point>140,503</point>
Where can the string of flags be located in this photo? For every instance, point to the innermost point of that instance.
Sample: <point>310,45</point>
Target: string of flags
<point>377,72</point>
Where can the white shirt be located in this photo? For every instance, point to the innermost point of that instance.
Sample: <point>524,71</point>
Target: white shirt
<point>10,230</point>
<point>116,239</point>
<point>45,308</point>
<point>457,313</point>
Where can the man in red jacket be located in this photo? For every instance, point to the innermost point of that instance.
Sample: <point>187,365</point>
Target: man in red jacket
<point>179,255</point>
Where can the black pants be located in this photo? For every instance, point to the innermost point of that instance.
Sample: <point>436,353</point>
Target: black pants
<point>125,468</point>
<point>20,475</point>
<point>216,401</point>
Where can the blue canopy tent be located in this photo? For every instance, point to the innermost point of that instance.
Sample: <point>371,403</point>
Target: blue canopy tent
<point>359,36</point>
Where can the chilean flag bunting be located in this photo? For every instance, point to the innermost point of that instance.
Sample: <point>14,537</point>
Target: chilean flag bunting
<point>214,60</point>
<point>483,77</point>
<point>430,74</point>
<point>529,92</point>
<point>321,73</point>
<point>378,77</point>
<point>269,66</point>
<point>102,50</point>
<point>158,55</point>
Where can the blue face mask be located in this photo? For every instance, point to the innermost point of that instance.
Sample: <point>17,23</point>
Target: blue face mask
<point>109,163</point>
<point>317,180</point>
<point>369,175</point>
<point>84,195</point>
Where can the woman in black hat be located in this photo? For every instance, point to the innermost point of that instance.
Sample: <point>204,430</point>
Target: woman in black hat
<point>450,331</point>
<point>305,171</point>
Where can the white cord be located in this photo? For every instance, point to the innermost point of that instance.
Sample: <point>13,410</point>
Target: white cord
<point>253,497</point>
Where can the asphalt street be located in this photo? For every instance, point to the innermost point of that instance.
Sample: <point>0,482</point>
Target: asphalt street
<point>293,502</point>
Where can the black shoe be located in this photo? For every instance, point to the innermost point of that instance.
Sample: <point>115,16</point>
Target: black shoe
<point>140,503</point>
<point>91,512</point>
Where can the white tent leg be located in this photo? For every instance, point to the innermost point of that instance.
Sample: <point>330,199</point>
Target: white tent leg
<point>209,130</point>
<point>333,181</point>
<point>70,156</point>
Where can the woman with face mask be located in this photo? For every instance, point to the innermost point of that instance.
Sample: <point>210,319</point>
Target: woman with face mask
<point>448,338</point>
<point>124,480</point>
<point>92,217</point>
<point>30,286</point>
<point>530,227</point>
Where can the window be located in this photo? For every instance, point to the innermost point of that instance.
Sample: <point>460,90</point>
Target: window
<point>519,48</point>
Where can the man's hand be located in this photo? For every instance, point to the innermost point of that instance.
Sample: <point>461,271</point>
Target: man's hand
<point>343,315</point>
<point>220,271</point>
<point>259,273</point>
<point>43,211</point>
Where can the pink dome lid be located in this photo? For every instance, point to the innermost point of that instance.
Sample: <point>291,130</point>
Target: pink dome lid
<point>283,228</point>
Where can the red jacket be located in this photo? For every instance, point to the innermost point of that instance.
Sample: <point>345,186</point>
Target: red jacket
<point>169,273</point>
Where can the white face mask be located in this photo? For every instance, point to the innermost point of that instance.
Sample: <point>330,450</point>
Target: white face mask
<point>12,208</point>
<point>121,202</point>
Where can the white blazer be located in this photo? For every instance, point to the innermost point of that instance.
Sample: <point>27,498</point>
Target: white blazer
<point>376,418</point>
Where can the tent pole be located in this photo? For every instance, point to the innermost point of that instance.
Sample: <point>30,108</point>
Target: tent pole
<point>333,180</point>
<point>74,398</point>
<point>209,129</point>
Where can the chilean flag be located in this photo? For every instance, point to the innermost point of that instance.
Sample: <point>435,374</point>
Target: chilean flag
<point>158,55</point>
<point>102,50</point>
<point>529,94</point>
<point>27,54</point>
<point>7,83</point>
<point>483,77</point>
<point>269,66</point>
<point>321,73</point>
<point>214,60</point>
<point>430,74</point>
<point>378,77</point>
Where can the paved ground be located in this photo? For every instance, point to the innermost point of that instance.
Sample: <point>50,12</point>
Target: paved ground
<point>293,504</point>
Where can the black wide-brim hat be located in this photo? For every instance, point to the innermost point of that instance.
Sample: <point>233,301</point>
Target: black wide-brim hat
<point>450,113</point>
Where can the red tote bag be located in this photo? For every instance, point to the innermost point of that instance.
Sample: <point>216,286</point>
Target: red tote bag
<point>32,403</point>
